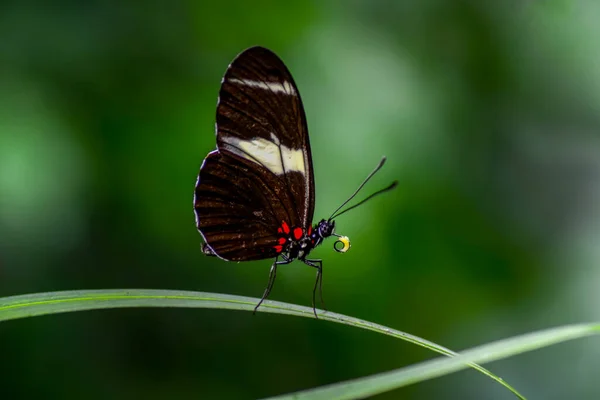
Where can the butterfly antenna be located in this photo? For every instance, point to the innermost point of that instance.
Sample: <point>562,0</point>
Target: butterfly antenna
<point>393,185</point>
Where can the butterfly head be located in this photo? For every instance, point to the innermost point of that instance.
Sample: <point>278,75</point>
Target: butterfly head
<point>326,228</point>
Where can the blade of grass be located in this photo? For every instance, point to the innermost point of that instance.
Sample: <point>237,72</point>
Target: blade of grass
<point>79,300</point>
<point>379,383</point>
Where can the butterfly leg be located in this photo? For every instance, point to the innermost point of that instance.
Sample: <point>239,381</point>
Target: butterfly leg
<point>272,275</point>
<point>318,264</point>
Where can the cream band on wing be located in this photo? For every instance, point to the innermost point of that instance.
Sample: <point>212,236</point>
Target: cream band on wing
<point>267,153</point>
<point>276,87</point>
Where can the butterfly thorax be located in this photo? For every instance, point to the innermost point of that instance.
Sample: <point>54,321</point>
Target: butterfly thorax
<point>298,243</point>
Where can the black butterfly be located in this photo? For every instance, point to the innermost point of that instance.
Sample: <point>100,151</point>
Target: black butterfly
<point>255,194</point>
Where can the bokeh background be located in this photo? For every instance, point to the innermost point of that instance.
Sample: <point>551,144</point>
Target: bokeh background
<point>488,112</point>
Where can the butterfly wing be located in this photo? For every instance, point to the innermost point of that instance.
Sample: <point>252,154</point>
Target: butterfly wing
<point>261,173</point>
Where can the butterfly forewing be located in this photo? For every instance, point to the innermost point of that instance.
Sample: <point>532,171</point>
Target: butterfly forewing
<point>261,118</point>
<point>261,173</point>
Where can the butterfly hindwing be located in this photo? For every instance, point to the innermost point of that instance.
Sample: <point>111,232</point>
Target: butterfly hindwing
<point>261,173</point>
<point>236,209</point>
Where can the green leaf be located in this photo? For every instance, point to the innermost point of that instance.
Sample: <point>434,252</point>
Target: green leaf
<point>79,300</point>
<point>379,383</point>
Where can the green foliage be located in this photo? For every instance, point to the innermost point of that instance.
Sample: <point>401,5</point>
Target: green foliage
<point>488,113</point>
<point>59,302</point>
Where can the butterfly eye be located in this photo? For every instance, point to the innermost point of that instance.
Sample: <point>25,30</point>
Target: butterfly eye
<point>342,245</point>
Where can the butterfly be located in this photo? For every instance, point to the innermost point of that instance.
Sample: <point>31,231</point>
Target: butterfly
<point>255,194</point>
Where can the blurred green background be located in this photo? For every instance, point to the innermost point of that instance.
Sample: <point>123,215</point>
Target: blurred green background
<point>488,112</point>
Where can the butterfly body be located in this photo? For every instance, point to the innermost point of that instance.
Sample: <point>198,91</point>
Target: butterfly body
<point>297,243</point>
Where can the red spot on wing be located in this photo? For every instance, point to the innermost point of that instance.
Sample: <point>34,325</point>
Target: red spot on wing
<point>297,233</point>
<point>286,227</point>
<point>281,240</point>
<point>278,248</point>
<point>279,230</point>
<point>309,230</point>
